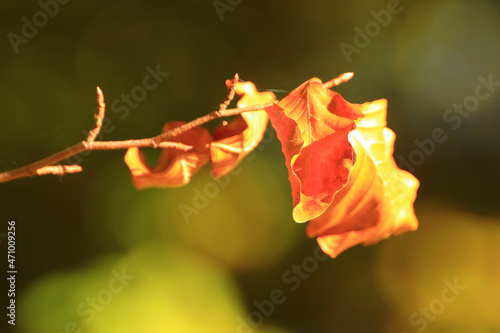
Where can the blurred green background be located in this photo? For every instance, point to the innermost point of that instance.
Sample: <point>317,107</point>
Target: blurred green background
<point>95,255</point>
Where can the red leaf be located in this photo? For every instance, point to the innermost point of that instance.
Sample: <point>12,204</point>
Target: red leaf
<point>175,167</point>
<point>233,141</point>
<point>312,124</point>
<point>378,199</point>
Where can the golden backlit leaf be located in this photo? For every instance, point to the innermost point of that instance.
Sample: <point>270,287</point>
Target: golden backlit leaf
<point>175,167</point>
<point>378,199</point>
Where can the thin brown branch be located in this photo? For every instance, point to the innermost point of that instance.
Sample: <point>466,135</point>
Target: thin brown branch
<point>205,119</point>
<point>46,165</point>
<point>31,169</point>
<point>99,116</point>
<point>141,143</point>
<point>58,170</point>
<point>230,95</point>
<point>338,80</point>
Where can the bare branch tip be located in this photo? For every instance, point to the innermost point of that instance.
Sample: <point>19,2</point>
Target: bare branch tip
<point>231,93</point>
<point>99,116</point>
<point>338,80</point>
<point>100,98</point>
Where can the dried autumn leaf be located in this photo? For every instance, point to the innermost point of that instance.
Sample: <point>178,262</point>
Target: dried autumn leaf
<point>175,167</point>
<point>378,199</point>
<point>313,124</point>
<point>233,141</point>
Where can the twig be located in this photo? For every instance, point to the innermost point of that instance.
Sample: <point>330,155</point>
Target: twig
<point>338,80</point>
<point>58,170</point>
<point>46,165</point>
<point>31,169</point>
<point>205,119</point>
<point>230,95</point>
<point>99,116</point>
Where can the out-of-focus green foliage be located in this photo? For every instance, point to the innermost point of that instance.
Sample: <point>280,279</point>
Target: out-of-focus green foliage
<point>459,248</point>
<point>160,289</point>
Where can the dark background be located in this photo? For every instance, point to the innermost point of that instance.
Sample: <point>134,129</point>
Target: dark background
<point>208,274</point>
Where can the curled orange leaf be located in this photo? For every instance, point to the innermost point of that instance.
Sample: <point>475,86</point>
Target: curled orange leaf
<point>313,124</point>
<point>236,139</point>
<point>175,167</point>
<point>378,199</point>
